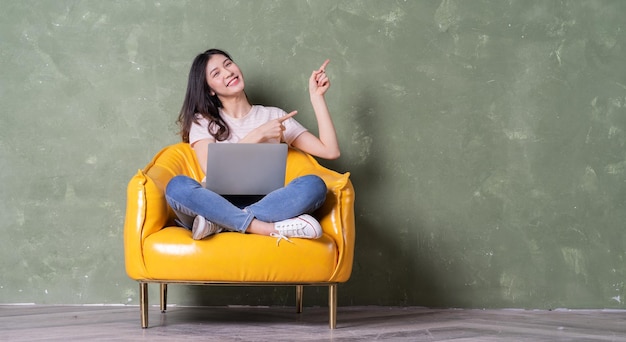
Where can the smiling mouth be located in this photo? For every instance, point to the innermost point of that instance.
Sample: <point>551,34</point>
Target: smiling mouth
<point>233,80</point>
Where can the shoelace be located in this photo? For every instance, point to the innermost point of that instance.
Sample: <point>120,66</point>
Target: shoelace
<point>293,229</point>
<point>280,237</point>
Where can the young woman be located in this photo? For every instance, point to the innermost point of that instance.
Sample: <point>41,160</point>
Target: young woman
<point>216,110</point>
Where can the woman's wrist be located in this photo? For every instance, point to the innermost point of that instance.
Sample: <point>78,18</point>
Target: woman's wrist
<point>317,97</point>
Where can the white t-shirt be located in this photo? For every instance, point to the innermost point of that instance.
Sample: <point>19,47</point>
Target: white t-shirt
<point>240,127</point>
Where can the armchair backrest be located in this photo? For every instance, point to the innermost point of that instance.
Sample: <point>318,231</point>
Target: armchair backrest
<point>177,159</point>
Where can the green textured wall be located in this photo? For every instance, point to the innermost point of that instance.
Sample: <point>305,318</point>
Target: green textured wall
<point>486,140</point>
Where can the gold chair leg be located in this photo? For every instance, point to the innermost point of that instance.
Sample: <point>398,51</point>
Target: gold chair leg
<point>332,306</point>
<point>299,291</point>
<point>163,297</point>
<point>143,304</point>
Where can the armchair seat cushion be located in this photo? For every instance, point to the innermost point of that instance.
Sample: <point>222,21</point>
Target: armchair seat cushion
<point>172,254</point>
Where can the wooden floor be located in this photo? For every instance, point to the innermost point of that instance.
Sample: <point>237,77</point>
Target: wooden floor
<point>122,323</point>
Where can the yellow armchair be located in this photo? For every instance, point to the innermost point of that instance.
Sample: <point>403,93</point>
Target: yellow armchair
<point>157,251</point>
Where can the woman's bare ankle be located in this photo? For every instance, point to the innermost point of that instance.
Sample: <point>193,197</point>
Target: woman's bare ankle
<point>260,227</point>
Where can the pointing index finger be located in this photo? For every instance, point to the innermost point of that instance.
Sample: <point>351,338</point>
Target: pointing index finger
<point>323,67</point>
<point>281,119</point>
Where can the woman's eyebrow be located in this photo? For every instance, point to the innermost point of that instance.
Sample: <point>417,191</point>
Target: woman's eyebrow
<point>223,63</point>
<point>212,70</point>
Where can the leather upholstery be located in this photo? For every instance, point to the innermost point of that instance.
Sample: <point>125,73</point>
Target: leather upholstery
<point>156,250</point>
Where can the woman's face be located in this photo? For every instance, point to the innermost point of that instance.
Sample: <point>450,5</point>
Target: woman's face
<point>223,76</point>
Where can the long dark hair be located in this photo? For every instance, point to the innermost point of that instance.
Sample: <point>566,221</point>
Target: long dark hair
<point>198,100</point>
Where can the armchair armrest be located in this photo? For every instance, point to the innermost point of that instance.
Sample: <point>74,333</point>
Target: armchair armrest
<point>337,214</point>
<point>146,213</point>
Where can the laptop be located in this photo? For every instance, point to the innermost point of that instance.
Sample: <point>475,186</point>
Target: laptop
<point>245,169</point>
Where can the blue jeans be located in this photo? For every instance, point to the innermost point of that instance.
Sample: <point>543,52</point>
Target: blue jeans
<point>188,198</point>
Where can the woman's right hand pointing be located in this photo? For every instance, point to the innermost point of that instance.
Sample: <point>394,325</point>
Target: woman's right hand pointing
<point>271,131</point>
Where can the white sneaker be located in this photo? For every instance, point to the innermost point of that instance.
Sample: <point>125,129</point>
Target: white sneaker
<point>303,226</point>
<point>203,228</point>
